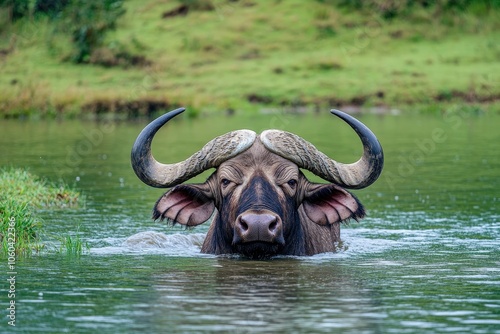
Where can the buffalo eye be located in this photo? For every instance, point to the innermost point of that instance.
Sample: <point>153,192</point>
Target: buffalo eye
<point>225,182</point>
<point>292,183</point>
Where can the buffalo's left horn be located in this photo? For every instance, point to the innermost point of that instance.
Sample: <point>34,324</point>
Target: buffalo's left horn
<point>214,153</point>
<point>354,176</point>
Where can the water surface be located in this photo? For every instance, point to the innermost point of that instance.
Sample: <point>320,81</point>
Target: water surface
<point>426,259</point>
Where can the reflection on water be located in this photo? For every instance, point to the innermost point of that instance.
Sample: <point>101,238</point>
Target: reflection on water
<point>269,296</point>
<point>426,259</point>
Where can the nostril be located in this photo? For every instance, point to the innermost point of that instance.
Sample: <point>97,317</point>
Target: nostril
<point>243,225</point>
<point>273,225</point>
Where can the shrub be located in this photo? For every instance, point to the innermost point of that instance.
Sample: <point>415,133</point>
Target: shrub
<point>17,8</point>
<point>50,8</point>
<point>88,21</point>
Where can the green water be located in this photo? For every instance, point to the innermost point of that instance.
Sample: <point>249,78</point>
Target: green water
<point>425,260</point>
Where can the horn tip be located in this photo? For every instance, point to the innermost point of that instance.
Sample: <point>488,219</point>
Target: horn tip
<point>337,112</point>
<point>179,110</point>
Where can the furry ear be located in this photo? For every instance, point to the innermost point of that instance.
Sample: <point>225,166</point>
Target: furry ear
<point>188,205</point>
<point>326,204</point>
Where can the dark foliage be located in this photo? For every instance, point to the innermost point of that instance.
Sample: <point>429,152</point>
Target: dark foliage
<point>88,21</point>
<point>50,8</point>
<point>17,8</point>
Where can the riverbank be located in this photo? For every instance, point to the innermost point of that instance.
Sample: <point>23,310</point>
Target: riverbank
<point>22,195</point>
<point>248,56</point>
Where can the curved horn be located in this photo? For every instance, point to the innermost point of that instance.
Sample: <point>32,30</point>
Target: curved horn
<point>355,176</point>
<point>214,153</point>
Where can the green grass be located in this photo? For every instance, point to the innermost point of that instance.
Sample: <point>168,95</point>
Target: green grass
<point>247,54</point>
<point>22,194</point>
<point>72,246</point>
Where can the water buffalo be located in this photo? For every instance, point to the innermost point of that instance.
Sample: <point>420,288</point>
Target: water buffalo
<point>259,202</point>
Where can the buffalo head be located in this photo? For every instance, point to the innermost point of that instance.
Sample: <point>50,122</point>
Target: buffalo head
<point>259,202</point>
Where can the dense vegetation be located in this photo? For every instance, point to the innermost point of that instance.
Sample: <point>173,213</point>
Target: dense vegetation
<point>65,57</point>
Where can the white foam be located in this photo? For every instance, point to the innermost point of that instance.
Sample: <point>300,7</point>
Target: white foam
<point>152,242</point>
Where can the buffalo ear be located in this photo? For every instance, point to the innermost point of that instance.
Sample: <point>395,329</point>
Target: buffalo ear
<point>188,205</point>
<point>328,204</point>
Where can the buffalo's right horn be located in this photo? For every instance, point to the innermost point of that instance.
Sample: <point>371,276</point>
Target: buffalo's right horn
<point>214,153</point>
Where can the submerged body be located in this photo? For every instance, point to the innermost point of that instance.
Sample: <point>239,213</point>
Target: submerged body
<point>258,201</point>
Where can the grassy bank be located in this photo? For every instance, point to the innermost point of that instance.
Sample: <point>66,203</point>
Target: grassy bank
<point>245,55</point>
<point>22,194</point>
